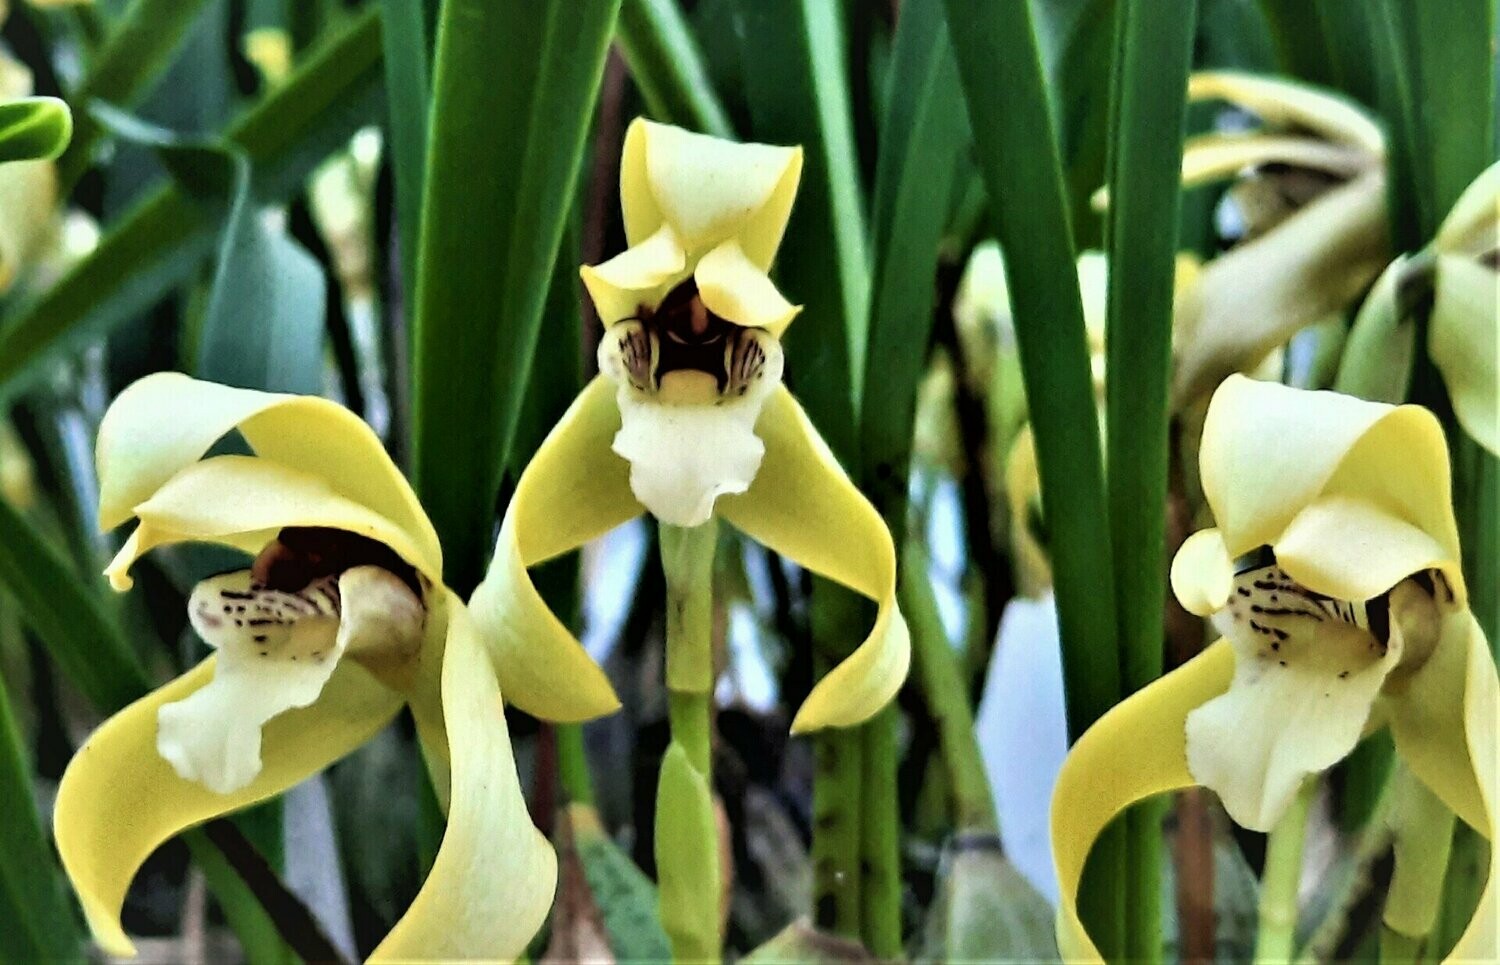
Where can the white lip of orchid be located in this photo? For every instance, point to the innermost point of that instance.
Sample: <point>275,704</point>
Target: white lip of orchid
<point>691,387</point>
<point>277,648</point>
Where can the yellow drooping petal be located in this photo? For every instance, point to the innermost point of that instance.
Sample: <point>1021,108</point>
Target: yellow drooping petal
<point>492,883</point>
<point>802,506</point>
<point>1462,341</point>
<point>1135,751</point>
<point>707,188</point>
<point>1324,443</point>
<point>1351,548</point>
<point>1214,157</point>
<point>1261,293</point>
<point>1290,104</point>
<point>1451,745</point>
<point>734,287</point>
<point>243,501</point>
<point>165,422</point>
<point>1203,573</point>
<point>575,489</point>
<point>119,800</point>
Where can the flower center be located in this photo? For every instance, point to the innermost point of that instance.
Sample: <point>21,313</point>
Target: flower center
<point>303,555</point>
<point>685,353</point>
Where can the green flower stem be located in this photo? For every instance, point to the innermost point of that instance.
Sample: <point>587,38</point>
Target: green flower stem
<point>1399,949</point>
<point>839,773</point>
<point>573,764</point>
<point>880,855</point>
<point>1276,938</point>
<point>687,843</point>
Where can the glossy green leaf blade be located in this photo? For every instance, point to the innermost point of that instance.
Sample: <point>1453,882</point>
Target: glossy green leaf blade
<point>35,918</point>
<point>1077,38</point>
<point>33,128</point>
<point>795,81</point>
<point>139,48</point>
<point>920,143</point>
<point>165,238</point>
<point>668,67</point>
<point>407,91</point>
<point>1153,54</point>
<point>501,166</point>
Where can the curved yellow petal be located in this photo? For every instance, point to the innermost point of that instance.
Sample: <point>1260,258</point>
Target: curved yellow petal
<point>636,276</point>
<point>1136,750</point>
<point>1463,343</point>
<point>1259,294</point>
<point>707,188</point>
<point>1472,224</point>
<point>243,501</point>
<point>737,289</point>
<point>1285,103</point>
<point>574,490</point>
<point>1325,443</point>
<point>1214,157</point>
<point>1452,747</point>
<point>492,883</point>
<point>802,506</point>
<point>165,422</point>
<point>1202,573</point>
<point>119,800</point>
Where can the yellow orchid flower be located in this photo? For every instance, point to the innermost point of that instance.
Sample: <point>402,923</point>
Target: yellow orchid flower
<point>1333,576</point>
<point>690,421</point>
<point>341,618</point>
<point>1311,194</point>
<point>28,189</point>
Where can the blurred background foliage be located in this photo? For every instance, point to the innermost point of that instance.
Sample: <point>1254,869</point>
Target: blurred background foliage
<point>327,197</point>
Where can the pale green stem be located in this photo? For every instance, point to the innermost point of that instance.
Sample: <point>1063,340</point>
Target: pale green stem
<point>687,556</point>
<point>1277,937</point>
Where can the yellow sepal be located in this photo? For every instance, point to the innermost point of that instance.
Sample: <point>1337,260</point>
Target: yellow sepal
<point>1290,104</point>
<point>1462,339</point>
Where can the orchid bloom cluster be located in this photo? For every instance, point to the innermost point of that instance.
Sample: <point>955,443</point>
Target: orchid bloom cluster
<point>689,420</point>
<point>1333,576</point>
<point>340,619</point>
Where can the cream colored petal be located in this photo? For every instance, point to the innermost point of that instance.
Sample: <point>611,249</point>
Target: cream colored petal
<point>1214,157</point>
<point>1203,573</point>
<point>1261,293</point>
<point>1378,353</point>
<point>1135,751</point>
<point>738,290</point>
<point>1473,225</point>
<point>165,422</point>
<point>802,506</point>
<point>1285,103</point>
<point>574,490</point>
<point>1461,339</point>
<point>493,880</point>
<point>119,800</point>
<point>28,196</point>
<point>708,189</point>
<point>636,276</point>
<point>1347,547</point>
<point>243,501</point>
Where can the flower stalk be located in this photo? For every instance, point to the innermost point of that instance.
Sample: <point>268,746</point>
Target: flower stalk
<point>1276,938</point>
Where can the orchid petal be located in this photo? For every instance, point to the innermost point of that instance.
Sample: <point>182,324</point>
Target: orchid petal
<point>1352,549</point>
<point>165,422</point>
<point>1136,750</point>
<point>707,188</point>
<point>492,883</point>
<point>1474,221</point>
<point>1462,341</point>
<point>243,502</point>
<point>119,800</point>
<point>739,291</point>
<point>802,506</point>
<point>28,195</point>
<point>575,489</point>
<point>635,276</point>
<point>1289,104</point>
<point>1203,573</point>
<point>1259,294</point>
<point>1214,157</point>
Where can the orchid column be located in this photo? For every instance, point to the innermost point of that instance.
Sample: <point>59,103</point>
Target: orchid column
<point>689,421</point>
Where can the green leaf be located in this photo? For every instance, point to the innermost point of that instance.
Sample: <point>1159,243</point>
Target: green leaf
<point>796,84</point>
<point>407,91</point>
<point>165,238</point>
<point>139,48</point>
<point>501,167</point>
<point>626,897</point>
<point>668,67</point>
<point>263,327</point>
<point>1077,42</point>
<point>34,128</point>
<point>921,138</point>
<point>35,916</point>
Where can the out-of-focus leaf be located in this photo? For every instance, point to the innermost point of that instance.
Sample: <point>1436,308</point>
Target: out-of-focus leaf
<point>924,130</point>
<point>802,944</point>
<point>626,898</point>
<point>164,239</point>
<point>35,919</point>
<point>668,67</point>
<point>1077,39</point>
<point>263,327</point>
<point>407,89</point>
<point>33,128</point>
<point>139,48</point>
<point>984,910</point>
<point>796,81</point>
<point>503,159</point>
